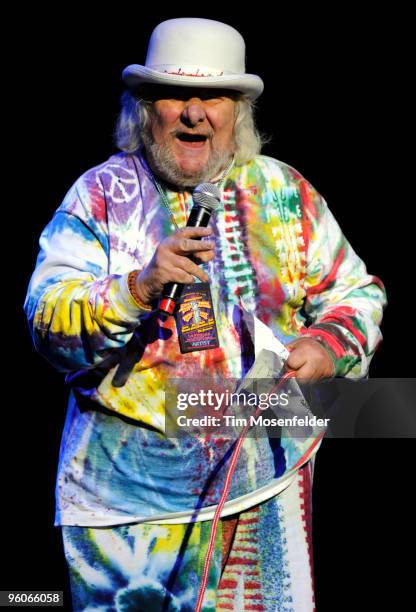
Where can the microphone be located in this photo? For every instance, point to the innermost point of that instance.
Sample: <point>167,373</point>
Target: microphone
<point>206,199</point>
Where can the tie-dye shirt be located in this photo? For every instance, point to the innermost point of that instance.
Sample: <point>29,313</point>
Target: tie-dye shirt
<point>278,248</point>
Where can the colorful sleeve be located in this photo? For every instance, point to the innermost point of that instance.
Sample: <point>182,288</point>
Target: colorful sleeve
<point>78,313</point>
<point>344,304</point>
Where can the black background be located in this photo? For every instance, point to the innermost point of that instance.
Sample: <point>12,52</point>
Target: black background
<point>334,105</point>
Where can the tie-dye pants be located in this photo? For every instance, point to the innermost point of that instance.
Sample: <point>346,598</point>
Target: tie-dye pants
<point>262,560</point>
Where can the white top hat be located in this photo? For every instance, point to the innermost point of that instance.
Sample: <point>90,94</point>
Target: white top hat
<point>192,52</point>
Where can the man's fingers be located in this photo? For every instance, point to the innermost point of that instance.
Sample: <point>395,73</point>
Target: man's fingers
<point>188,241</point>
<point>193,232</point>
<point>299,362</point>
<point>191,268</point>
<point>180,276</point>
<point>309,360</point>
<point>296,360</point>
<point>175,260</point>
<point>203,256</point>
<point>301,365</point>
<point>188,245</point>
<point>306,372</point>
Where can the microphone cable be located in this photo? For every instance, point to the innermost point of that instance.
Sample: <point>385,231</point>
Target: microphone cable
<point>224,494</point>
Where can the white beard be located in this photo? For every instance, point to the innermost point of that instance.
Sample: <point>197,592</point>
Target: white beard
<point>163,164</point>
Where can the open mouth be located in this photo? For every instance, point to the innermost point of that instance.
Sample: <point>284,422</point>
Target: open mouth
<point>191,138</point>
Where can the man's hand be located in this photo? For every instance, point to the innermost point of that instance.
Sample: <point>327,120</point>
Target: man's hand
<point>309,359</point>
<point>172,262</point>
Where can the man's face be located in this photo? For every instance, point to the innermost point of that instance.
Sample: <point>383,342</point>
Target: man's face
<point>190,138</point>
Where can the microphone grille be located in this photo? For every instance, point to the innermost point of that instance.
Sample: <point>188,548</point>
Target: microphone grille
<point>207,195</point>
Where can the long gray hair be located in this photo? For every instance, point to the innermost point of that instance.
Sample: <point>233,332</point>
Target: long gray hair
<point>134,118</point>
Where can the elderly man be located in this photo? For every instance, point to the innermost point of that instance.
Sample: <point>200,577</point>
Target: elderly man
<point>136,506</point>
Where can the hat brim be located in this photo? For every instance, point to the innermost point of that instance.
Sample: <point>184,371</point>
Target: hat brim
<point>249,84</point>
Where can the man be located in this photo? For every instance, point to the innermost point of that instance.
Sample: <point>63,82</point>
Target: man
<point>135,505</point>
